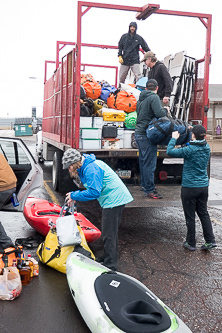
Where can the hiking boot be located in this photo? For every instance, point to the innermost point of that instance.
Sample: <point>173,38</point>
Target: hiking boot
<point>189,247</point>
<point>208,246</point>
<point>153,195</point>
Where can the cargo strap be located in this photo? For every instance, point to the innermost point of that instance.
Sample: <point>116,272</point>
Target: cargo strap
<point>56,254</point>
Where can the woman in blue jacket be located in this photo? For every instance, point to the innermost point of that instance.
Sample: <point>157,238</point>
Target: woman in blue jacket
<point>103,184</point>
<point>195,182</point>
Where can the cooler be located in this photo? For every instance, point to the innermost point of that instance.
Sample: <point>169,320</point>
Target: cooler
<point>90,144</point>
<point>98,122</point>
<point>91,133</point>
<point>127,138</point>
<point>85,122</point>
<point>113,115</point>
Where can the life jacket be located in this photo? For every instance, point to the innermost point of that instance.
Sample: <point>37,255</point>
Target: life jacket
<point>10,253</point>
<point>122,100</point>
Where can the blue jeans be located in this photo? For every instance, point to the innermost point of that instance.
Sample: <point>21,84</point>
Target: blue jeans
<point>147,162</point>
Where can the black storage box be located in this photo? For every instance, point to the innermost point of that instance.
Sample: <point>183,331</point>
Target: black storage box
<point>109,131</point>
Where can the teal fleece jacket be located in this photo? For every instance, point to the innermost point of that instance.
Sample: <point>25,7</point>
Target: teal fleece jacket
<point>196,157</point>
<point>148,107</point>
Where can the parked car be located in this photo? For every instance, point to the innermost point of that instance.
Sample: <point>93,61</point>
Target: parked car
<point>28,172</point>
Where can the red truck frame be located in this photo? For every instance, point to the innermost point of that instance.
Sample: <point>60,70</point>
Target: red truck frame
<point>61,111</point>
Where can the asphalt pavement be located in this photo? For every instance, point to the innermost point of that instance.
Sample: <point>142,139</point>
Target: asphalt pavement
<point>150,246</point>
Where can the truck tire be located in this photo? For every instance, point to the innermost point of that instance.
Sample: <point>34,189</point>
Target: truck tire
<point>61,181</point>
<point>57,170</point>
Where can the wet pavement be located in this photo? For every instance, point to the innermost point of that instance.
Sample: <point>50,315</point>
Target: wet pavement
<point>150,245</point>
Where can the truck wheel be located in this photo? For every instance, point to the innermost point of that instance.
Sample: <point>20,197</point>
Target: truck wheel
<point>61,181</point>
<point>57,170</point>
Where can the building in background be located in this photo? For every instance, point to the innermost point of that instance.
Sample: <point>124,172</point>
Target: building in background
<point>7,123</point>
<point>214,116</point>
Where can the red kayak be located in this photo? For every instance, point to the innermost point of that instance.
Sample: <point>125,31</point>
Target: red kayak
<point>40,214</point>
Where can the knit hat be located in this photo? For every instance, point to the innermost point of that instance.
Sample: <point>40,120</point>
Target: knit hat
<point>147,55</point>
<point>151,84</point>
<point>70,156</point>
<point>199,131</point>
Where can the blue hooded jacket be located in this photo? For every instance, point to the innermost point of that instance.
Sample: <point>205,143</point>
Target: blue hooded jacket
<point>196,157</point>
<point>101,183</point>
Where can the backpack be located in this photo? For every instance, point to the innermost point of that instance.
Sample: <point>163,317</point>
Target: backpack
<point>106,90</point>
<point>91,86</point>
<point>160,130</point>
<point>122,100</point>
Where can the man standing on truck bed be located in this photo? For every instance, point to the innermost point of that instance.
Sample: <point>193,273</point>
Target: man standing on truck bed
<point>103,184</point>
<point>128,54</point>
<point>159,72</point>
<point>148,107</point>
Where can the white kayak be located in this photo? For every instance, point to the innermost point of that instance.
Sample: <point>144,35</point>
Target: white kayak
<point>112,302</point>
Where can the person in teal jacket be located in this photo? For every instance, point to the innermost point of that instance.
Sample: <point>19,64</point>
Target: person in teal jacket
<point>195,183</point>
<point>103,184</point>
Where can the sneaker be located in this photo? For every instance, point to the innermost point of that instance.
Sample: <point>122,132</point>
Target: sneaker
<point>189,247</point>
<point>208,246</point>
<point>142,188</point>
<point>153,195</point>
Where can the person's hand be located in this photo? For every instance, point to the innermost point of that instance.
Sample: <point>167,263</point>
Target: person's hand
<point>121,60</point>
<point>69,201</point>
<point>175,135</point>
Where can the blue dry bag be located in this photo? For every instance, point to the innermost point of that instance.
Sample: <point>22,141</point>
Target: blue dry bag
<point>160,130</point>
<point>106,90</point>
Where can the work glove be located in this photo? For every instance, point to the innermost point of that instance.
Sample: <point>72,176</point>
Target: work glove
<point>121,60</point>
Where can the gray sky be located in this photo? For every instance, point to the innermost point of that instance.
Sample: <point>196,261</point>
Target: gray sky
<point>29,30</point>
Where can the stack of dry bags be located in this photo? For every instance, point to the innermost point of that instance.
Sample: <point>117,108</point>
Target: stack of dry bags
<point>112,119</point>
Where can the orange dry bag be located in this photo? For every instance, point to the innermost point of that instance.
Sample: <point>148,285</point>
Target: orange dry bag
<point>92,87</point>
<point>122,100</point>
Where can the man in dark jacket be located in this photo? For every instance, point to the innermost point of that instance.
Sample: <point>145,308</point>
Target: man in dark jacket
<point>195,182</point>
<point>159,72</point>
<point>129,45</point>
<point>148,107</point>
